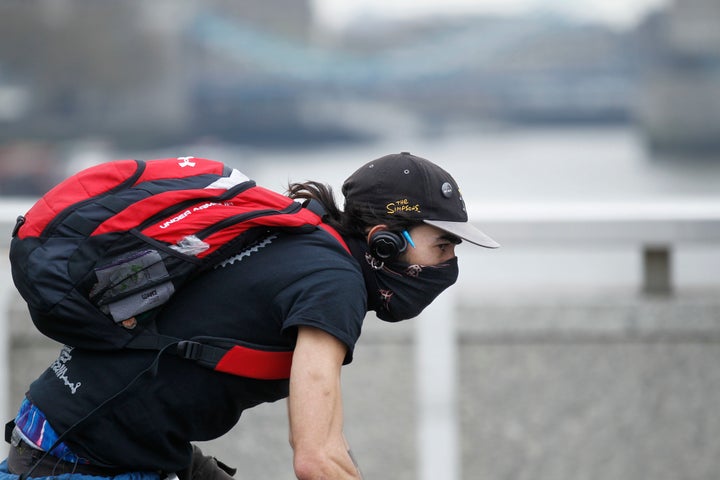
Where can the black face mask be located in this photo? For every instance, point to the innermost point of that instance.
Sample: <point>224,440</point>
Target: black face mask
<point>399,291</point>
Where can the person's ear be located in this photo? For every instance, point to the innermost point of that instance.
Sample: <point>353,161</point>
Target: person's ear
<point>384,244</point>
<point>374,230</point>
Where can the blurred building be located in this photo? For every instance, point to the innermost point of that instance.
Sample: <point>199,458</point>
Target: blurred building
<point>133,70</point>
<point>679,102</point>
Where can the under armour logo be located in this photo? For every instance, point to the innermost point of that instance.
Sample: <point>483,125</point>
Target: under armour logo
<point>185,162</point>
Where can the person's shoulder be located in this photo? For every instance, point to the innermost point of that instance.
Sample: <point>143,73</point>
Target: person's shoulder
<point>320,244</point>
<point>315,257</point>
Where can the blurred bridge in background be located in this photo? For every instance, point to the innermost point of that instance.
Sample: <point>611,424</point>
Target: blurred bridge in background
<point>438,54</point>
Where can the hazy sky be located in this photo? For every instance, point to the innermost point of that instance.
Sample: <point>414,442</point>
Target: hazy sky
<point>336,13</point>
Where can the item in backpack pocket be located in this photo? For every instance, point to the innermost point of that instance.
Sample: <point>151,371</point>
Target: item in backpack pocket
<point>132,285</point>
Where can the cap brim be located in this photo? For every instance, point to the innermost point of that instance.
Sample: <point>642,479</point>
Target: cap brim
<point>466,231</point>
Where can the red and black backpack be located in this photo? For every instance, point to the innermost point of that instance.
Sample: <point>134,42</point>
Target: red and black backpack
<point>101,252</point>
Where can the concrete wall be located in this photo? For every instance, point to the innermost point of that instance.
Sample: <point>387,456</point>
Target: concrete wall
<point>604,386</point>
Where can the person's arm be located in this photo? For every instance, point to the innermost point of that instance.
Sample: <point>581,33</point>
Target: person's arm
<point>315,408</point>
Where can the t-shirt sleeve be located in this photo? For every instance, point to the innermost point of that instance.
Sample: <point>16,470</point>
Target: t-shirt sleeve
<point>333,300</point>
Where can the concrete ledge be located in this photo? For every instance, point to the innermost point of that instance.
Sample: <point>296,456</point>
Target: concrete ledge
<point>596,386</point>
<point>641,319</point>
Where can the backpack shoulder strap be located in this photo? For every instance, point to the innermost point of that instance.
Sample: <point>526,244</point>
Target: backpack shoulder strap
<point>228,355</point>
<point>220,354</point>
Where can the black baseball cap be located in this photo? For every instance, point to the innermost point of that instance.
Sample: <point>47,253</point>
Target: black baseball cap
<point>412,188</point>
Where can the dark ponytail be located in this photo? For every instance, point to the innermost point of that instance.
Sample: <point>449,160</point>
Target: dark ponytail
<point>353,221</point>
<point>324,194</point>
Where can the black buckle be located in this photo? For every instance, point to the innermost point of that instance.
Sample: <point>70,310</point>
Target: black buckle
<point>189,349</point>
<point>18,223</point>
<point>9,428</point>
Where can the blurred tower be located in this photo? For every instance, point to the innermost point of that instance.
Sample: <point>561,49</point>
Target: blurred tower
<point>679,104</point>
<point>291,18</point>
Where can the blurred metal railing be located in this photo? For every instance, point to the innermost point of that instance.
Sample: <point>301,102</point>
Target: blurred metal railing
<point>654,228</point>
<point>9,211</point>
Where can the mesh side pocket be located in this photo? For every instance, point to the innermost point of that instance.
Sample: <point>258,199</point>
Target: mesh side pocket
<point>132,285</point>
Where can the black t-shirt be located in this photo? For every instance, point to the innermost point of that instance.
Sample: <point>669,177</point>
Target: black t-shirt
<point>259,296</point>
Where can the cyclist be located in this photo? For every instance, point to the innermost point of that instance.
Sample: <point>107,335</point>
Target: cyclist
<point>100,413</point>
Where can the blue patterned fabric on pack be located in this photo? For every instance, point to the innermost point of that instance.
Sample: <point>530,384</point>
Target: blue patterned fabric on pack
<point>37,431</point>
<point>6,475</point>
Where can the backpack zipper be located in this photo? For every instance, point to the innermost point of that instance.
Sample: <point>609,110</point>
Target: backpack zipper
<point>243,217</point>
<point>166,212</point>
